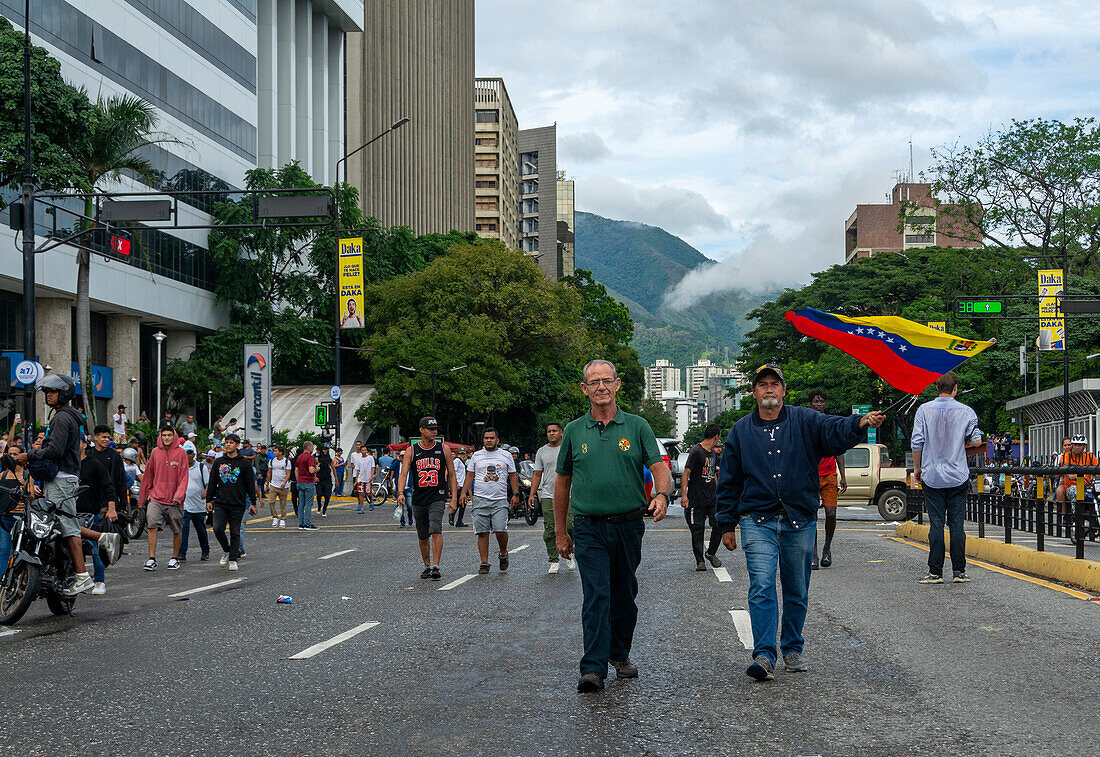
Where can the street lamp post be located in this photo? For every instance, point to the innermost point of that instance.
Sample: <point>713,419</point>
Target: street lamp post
<point>433,374</point>
<point>133,381</point>
<point>210,407</point>
<point>29,179</point>
<point>336,279</point>
<point>160,336</point>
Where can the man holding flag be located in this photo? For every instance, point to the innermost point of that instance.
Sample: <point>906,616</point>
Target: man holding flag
<point>768,483</point>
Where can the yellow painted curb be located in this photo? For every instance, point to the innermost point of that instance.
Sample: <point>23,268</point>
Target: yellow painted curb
<point>1050,565</point>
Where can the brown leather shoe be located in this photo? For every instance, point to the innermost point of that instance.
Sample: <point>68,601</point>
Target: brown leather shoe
<point>625,669</point>
<point>590,682</point>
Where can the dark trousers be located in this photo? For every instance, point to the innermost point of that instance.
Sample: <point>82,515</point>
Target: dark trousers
<point>324,496</point>
<point>952,504</point>
<point>230,515</point>
<point>697,522</point>
<point>607,554</point>
<point>198,520</point>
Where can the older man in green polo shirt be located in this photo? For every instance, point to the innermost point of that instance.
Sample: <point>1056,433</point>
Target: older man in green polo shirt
<point>601,468</point>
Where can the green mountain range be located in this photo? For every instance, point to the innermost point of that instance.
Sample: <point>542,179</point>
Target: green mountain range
<point>638,264</point>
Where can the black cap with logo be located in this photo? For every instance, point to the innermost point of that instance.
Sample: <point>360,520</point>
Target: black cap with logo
<point>429,422</point>
<point>765,370</point>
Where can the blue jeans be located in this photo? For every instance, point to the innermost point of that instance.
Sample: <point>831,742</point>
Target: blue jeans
<point>768,545</point>
<point>339,482</point>
<point>949,505</point>
<point>306,493</point>
<point>608,554</point>
<point>6,523</point>
<point>98,572</point>
<point>198,520</point>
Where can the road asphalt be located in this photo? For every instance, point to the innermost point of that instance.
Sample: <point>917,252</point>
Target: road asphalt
<point>488,666</point>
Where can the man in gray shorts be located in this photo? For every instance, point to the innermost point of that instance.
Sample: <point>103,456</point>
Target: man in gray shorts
<point>492,468</point>
<point>427,469</point>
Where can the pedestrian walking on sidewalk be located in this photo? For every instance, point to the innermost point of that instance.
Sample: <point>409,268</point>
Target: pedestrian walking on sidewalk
<point>942,430</point>
<point>768,483</point>
<point>278,484</point>
<point>305,468</point>
<point>697,486</point>
<point>428,468</point>
<point>194,505</point>
<point>601,471</point>
<point>542,493</point>
<point>163,489</point>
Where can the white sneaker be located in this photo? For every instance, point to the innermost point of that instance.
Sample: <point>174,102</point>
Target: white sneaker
<point>233,565</point>
<point>225,559</point>
<point>99,588</point>
<point>173,564</point>
<point>274,522</point>
<point>81,583</point>
<point>282,523</point>
<point>553,568</point>
<point>572,563</point>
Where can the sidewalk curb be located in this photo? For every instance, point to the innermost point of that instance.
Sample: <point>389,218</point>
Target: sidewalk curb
<point>1049,565</point>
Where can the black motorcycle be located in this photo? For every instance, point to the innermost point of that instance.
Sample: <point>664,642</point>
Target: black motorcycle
<point>40,565</point>
<point>526,473</point>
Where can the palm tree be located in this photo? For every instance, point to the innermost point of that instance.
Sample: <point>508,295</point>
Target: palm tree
<point>121,128</point>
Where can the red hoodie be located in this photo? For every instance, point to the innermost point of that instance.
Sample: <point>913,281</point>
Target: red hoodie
<point>165,476</point>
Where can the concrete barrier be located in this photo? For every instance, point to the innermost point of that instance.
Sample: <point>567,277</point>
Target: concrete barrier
<point>1049,565</point>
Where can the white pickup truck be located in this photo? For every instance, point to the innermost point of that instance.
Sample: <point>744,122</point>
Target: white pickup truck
<point>873,481</point>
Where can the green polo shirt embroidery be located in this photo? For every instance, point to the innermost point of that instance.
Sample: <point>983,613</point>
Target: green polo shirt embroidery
<point>608,466</point>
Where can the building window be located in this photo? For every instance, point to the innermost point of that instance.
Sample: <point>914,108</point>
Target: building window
<point>487,203</point>
<point>486,162</point>
<point>486,116</point>
<point>529,206</point>
<point>486,141</point>
<point>920,238</point>
<point>529,187</point>
<point>487,226</point>
<point>531,244</point>
<point>486,183</point>
<point>921,220</point>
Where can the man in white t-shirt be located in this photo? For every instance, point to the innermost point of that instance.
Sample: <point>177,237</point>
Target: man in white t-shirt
<point>364,478</point>
<point>349,473</point>
<point>120,419</point>
<point>278,484</point>
<point>491,468</point>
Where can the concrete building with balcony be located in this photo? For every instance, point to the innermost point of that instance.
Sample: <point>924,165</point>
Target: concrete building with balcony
<point>700,374</point>
<point>415,59</point>
<point>538,197</point>
<point>721,392</point>
<point>496,163</point>
<point>873,228</point>
<point>241,84</point>
<point>661,377</point>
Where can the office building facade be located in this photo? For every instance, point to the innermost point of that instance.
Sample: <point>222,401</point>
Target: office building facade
<point>496,163</point>
<point>661,377</point>
<point>214,76</point>
<point>566,224</point>
<point>538,197</point>
<point>699,374</point>
<point>415,59</point>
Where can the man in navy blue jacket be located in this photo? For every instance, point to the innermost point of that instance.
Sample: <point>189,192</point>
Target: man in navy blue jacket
<point>768,483</point>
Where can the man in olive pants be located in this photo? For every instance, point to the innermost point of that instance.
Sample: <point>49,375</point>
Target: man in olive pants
<point>542,494</point>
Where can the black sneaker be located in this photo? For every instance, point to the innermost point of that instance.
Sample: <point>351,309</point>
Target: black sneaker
<point>590,682</point>
<point>826,557</point>
<point>484,568</point>
<point>309,527</point>
<point>426,573</point>
<point>700,565</point>
<point>814,564</point>
<point>960,577</point>
<point>504,562</point>
<point>713,560</point>
<point>436,575</point>
<point>762,669</point>
<point>931,578</point>
<point>205,557</point>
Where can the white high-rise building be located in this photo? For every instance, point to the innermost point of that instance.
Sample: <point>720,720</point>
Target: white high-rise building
<point>661,377</point>
<point>700,375</point>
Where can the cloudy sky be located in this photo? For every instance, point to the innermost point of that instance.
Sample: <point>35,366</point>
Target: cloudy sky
<point>751,128</point>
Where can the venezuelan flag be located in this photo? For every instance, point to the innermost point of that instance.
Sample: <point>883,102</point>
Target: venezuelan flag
<point>907,355</point>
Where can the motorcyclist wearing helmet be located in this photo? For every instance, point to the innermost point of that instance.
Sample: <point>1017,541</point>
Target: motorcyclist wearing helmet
<point>1077,456</point>
<point>135,445</point>
<point>62,448</point>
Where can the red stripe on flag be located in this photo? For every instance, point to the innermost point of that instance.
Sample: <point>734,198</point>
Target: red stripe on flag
<point>893,368</point>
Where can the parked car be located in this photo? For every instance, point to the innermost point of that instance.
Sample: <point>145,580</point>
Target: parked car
<point>873,481</point>
<point>674,459</point>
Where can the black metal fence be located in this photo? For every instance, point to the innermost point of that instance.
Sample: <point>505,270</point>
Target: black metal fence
<point>1026,503</point>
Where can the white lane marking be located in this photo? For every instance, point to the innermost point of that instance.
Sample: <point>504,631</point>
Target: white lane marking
<point>457,582</point>
<point>336,554</point>
<point>9,632</point>
<point>519,548</point>
<point>205,588</point>
<point>722,575</point>
<point>743,625</point>
<point>316,649</point>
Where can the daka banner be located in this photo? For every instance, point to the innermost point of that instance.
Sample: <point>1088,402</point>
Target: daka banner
<point>351,283</point>
<point>1052,325</point>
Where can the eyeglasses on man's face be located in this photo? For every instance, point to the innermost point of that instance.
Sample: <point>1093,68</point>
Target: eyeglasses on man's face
<point>601,382</point>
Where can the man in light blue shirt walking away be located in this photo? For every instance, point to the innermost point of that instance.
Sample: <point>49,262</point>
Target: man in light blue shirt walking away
<point>942,430</point>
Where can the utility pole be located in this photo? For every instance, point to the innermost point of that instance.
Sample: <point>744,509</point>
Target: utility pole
<point>29,180</point>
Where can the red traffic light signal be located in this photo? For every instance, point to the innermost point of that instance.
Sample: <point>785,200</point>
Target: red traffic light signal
<point>120,245</point>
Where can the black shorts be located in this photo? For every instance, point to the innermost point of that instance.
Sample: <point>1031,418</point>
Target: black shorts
<point>429,516</point>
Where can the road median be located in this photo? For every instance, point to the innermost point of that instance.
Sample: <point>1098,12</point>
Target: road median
<point>1049,565</point>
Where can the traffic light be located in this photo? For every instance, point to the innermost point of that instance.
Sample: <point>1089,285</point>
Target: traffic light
<point>321,416</point>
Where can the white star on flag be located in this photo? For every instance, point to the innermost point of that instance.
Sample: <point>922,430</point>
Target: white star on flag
<point>859,331</point>
<point>901,347</point>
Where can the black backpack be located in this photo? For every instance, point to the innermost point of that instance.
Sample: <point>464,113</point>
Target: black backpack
<point>46,470</point>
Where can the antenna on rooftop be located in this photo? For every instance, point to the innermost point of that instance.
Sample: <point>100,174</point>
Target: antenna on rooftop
<point>911,158</point>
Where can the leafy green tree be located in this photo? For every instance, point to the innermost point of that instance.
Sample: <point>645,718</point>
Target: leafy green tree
<point>1034,184</point>
<point>659,419</point>
<point>603,314</point>
<point>481,306</point>
<point>60,121</point>
<point>120,130</point>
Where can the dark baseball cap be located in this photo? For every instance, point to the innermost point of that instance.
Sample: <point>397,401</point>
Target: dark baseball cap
<point>765,370</point>
<point>429,422</point>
